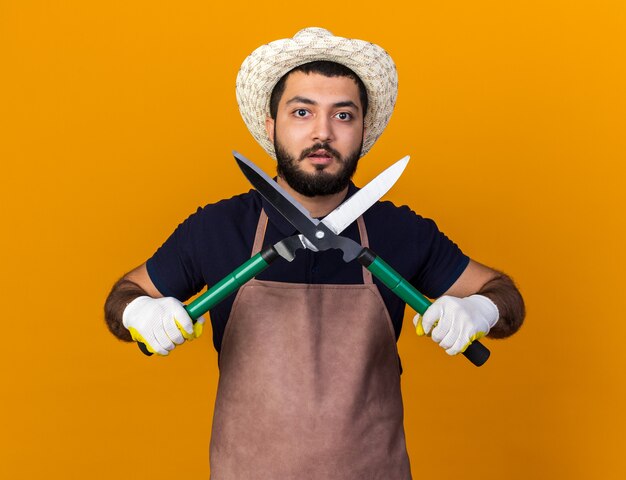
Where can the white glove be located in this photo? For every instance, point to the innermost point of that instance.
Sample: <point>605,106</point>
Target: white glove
<point>160,323</point>
<point>457,322</point>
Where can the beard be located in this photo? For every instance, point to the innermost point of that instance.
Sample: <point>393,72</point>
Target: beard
<point>319,182</point>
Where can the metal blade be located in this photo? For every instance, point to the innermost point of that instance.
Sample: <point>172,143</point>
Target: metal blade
<point>346,213</point>
<point>287,247</point>
<point>316,233</point>
<point>282,200</point>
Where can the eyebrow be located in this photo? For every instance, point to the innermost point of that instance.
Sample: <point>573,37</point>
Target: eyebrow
<point>308,101</point>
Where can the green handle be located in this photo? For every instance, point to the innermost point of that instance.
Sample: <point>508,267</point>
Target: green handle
<point>226,286</point>
<point>398,285</point>
<point>476,352</point>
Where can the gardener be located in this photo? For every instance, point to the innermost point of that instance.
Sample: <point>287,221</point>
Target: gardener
<point>309,372</point>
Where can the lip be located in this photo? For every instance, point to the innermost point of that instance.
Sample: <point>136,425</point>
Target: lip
<point>321,152</point>
<point>320,157</point>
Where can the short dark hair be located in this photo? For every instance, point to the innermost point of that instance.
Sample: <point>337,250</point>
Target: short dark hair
<point>323,67</point>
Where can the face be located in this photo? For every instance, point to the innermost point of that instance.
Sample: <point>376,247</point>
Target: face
<point>318,133</point>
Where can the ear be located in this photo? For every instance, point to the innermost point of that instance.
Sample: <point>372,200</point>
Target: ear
<point>269,128</point>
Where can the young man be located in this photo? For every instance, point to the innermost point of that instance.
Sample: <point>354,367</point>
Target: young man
<point>309,373</point>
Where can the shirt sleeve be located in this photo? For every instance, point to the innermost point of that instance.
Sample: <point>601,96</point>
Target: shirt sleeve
<point>173,268</point>
<point>441,260</point>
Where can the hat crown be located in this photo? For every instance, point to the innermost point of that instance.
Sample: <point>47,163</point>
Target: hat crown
<point>311,32</point>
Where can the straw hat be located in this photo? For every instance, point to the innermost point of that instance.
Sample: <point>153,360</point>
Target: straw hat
<point>262,70</point>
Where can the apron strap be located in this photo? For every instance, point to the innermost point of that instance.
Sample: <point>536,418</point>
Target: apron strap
<point>262,226</point>
<point>260,234</point>
<point>367,275</point>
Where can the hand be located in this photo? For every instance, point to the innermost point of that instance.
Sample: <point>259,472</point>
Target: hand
<point>160,323</point>
<point>455,323</point>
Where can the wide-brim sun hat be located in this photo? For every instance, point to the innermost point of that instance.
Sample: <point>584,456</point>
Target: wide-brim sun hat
<point>263,68</point>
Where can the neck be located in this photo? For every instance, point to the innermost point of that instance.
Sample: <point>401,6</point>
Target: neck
<point>318,206</point>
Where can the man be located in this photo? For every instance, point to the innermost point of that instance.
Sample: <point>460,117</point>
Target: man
<point>309,373</point>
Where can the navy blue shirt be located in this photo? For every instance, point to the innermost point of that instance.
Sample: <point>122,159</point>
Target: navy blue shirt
<point>218,238</point>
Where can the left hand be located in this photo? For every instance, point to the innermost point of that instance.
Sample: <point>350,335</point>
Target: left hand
<point>160,323</point>
<point>454,323</point>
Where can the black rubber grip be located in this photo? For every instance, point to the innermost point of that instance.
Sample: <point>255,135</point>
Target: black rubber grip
<point>144,349</point>
<point>269,254</point>
<point>477,353</point>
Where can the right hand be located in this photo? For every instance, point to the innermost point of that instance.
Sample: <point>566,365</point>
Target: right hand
<point>160,323</point>
<point>455,323</point>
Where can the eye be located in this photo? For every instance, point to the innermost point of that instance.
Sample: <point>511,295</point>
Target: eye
<point>344,116</point>
<point>301,112</point>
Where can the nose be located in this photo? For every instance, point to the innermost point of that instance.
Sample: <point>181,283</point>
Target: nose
<point>322,129</point>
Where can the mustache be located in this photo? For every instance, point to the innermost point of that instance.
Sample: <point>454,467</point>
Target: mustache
<point>320,146</point>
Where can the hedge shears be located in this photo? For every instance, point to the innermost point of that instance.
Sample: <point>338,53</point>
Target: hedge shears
<point>338,220</point>
<point>324,235</point>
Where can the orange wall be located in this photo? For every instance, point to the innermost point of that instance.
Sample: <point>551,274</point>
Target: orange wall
<point>117,120</point>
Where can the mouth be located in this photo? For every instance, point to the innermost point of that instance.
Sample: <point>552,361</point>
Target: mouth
<point>320,157</point>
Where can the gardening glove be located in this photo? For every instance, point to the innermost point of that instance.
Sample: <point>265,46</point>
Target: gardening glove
<point>454,323</point>
<point>160,323</point>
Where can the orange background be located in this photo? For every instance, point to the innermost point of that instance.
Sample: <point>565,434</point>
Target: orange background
<point>117,121</point>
